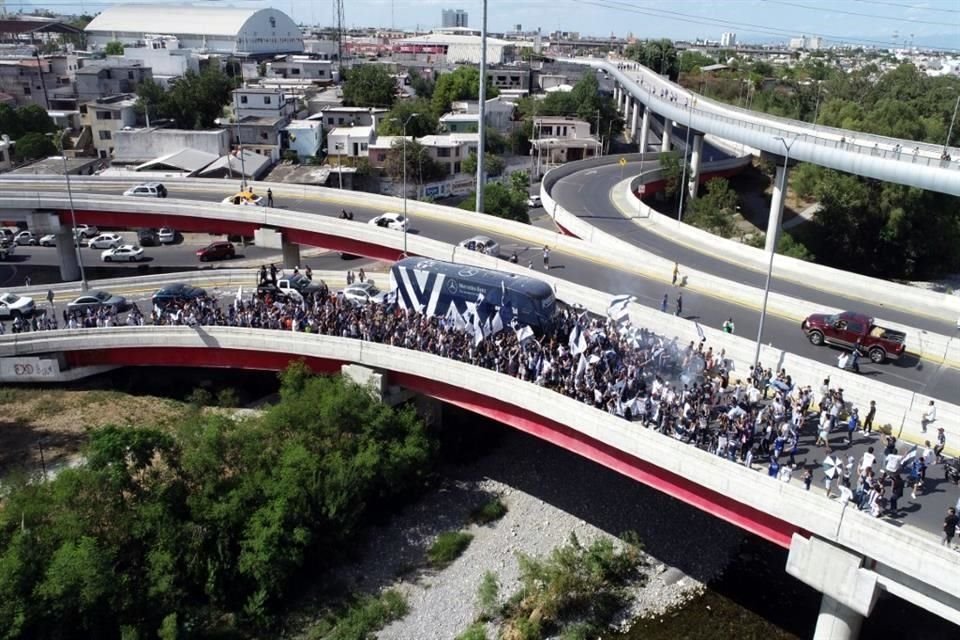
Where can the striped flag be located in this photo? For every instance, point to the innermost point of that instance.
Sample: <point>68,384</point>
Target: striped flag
<point>699,330</point>
<point>617,310</point>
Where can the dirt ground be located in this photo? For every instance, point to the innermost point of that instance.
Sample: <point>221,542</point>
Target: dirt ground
<point>59,420</point>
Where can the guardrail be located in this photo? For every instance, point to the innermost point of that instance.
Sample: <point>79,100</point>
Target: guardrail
<point>905,549</point>
<point>327,228</point>
<point>891,164</point>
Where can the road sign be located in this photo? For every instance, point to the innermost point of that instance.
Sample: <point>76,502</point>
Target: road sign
<point>623,162</point>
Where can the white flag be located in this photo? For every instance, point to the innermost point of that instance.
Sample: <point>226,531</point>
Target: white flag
<point>699,330</point>
<point>581,366</point>
<point>524,333</point>
<point>617,310</point>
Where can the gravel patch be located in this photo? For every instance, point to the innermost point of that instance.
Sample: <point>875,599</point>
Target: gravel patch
<point>550,494</point>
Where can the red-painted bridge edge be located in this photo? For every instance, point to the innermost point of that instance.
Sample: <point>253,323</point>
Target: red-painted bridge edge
<point>199,224</point>
<point>721,506</point>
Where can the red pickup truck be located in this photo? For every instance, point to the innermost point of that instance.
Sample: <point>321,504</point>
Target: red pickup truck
<point>851,330</point>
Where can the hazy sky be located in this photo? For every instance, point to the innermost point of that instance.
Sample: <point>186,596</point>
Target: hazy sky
<point>751,19</point>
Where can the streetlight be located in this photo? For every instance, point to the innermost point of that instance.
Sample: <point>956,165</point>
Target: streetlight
<point>683,178</point>
<point>946,143</point>
<point>773,247</point>
<point>816,108</point>
<point>73,211</point>
<point>406,220</point>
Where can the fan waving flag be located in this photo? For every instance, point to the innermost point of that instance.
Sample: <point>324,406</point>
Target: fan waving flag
<point>617,310</point>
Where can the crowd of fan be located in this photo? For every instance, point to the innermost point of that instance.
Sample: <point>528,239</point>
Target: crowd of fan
<point>684,391</point>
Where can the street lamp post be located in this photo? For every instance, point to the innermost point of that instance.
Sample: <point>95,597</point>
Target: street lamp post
<point>73,211</point>
<point>406,219</point>
<point>946,143</point>
<point>773,249</point>
<point>683,178</point>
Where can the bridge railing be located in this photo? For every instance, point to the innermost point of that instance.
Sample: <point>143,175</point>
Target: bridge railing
<point>905,549</point>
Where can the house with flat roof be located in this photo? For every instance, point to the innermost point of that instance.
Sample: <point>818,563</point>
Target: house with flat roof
<point>262,102</point>
<point>560,139</point>
<point>340,116</point>
<point>351,142</point>
<point>104,117</point>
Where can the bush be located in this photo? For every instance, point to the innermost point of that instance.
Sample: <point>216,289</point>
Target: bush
<point>360,620</point>
<point>488,512</point>
<point>488,596</point>
<point>228,398</point>
<point>476,631</point>
<point>448,546</point>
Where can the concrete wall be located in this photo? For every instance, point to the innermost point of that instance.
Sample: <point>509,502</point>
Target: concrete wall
<point>140,145</point>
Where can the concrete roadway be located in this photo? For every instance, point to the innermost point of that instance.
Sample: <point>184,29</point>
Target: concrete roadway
<point>937,381</point>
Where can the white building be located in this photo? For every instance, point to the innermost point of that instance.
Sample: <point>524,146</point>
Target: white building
<point>728,39</point>
<point>451,46</point>
<point>164,57</point>
<point>208,28</point>
<point>455,18</point>
<point>301,68</point>
<point>352,142</point>
<point>263,103</point>
<point>806,43</point>
<point>305,137</point>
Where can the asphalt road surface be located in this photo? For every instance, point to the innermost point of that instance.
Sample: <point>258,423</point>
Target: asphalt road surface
<point>916,375</point>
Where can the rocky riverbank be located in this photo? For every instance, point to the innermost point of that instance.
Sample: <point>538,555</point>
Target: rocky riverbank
<point>550,494</point>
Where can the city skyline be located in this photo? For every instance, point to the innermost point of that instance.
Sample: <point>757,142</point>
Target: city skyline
<point>928,23</point>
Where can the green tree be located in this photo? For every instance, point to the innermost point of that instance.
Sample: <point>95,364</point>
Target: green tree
<point>692,61</point>
<point>714,209</point>
<point>35,119</point>
<point>493,165</point>
<point>461,84</point>
<point>658,55</point>
<point>32,146</point>
<point>424,123</point>
<point>420,85</point>
<point>421,167</point>
<point>500,201</point>
<point>10,122</point>
<point>114,48</point>
<point>671,170</point>
<point>369,85</point>
<point>194,101</point>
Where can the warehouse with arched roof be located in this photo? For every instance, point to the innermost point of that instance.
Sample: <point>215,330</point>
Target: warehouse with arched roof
<point>211,29</point>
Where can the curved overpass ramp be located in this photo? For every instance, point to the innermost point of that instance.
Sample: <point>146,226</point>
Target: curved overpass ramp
<point>878,157</point>
<point>903,562</point>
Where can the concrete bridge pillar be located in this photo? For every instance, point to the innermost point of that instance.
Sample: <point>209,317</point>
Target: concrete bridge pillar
<point>616,95</point>
<point>849,590</point>
<point>67,254</point>
<point>633,120</point>
<point>776,208</point>
<point>645,130</point>
<point>626,101</point>
<point>665,135</point>
<point>696,159</point>
<point>291,254</point>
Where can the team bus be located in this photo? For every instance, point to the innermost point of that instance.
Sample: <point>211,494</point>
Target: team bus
<point>433,286</point>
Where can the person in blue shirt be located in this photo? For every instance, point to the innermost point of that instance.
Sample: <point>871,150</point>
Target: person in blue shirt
<point>852,425</point>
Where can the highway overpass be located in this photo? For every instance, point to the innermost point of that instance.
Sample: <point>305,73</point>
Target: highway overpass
<point>847,555</point>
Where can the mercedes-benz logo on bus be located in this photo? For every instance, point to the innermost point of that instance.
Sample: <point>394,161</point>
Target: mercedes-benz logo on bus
<point>452,286</point>
<point>468,272</point>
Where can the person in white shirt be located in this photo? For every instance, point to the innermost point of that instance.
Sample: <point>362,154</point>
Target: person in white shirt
<point>867,460</point>
<point>929,415</point>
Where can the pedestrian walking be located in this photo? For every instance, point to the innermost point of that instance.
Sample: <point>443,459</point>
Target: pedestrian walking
<point>941,443</point>
<point>728,326</point>
<point>27,281</point>
<point>546,258</point>
<point>679,304</point>
<point>269,197</point>
<point>950,526</point>
<point>929,415</point>
<point>868,421</point>
<point>807,479</point>
<point>664,303</point>
<point>273,273</point>
<point>676,272</point>
<point>896,492</point>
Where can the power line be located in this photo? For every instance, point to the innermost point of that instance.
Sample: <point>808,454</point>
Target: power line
<point>854,13</point>
<point>713,22</point>
<point>909,6</point>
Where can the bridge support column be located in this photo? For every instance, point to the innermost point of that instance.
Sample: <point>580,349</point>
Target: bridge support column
<point>849,590</point>
<point>633,120</point>
<point>67,254</point>
<point>626,101</point>
<point>291,254</point>
<point>776,208</point>
<point>696,159</point>
<point>645,130</point>
<point>665,135</point>
<point>616,95</point>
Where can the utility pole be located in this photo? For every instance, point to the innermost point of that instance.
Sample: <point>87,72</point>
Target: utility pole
<point>243,169</point>
<point>946,143</point>
<point>482,128</point>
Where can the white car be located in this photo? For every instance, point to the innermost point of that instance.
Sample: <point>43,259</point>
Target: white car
<point>147,190</point>
<point>391,220</point>
<point>25,237</point>
<point>85,231</point>
<point>123,253</point>
<point>12,305</point>
<point>534,201</point>
<point>364,293</point>
<point>245,199</point>
<point>49,240</point>
<point>166,235</point>
<point>106,241</point>
<point>482,244</point>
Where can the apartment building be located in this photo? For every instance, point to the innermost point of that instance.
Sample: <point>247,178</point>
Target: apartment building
<point>105,117</point>
<point>109,78</point>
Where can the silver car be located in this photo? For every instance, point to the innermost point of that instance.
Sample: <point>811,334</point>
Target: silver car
<point>482,244</point>
<point>364,293</point>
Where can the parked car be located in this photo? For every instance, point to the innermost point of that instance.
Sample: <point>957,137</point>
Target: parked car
<point>851,330</point>
<point>245,198</point>
<point>482,244</point>
<point>220,250</point>
<point>123,253</point>
<point>363,293</point>
<point>13,306</point>
<point>85,231</point>
<point>147,190</point>
<point>391,220</point>
<point>166,235</point>
<point>177,293</point>
<point>28,238</point>
<point>106,241</point>
<point>49,240</point>
<point>148,237</point>
<point>97,300</point>
<point>534,201</point>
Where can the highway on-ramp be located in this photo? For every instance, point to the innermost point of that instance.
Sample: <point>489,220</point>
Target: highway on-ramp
<point>935,380</point>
